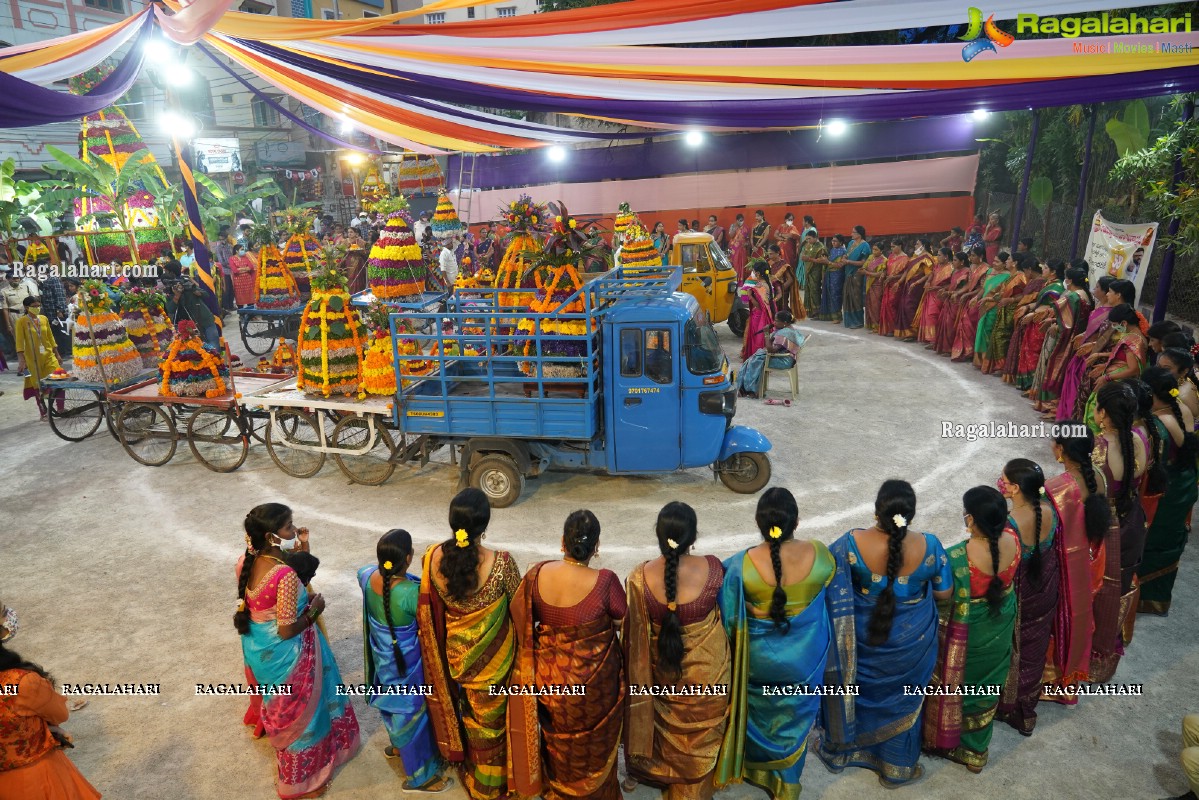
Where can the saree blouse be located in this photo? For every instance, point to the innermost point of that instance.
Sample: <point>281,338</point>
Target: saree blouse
<point>934,568</point>
<point>699,608</point>
<point>404,597</point>
<point>606,598</point>
<point>979,580</point>
<point>503,579</point>
<point>759,594</point>
<point>1046,542</point>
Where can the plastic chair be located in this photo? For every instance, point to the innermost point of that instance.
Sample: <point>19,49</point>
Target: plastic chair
<point>792,372</point>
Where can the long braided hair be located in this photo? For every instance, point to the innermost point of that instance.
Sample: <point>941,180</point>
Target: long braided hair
<point>1155,475</point>
<point>1164,386</point>
<point>393,552</point>
<point>895,502</point>
<point>260,523</point>
<point>1183,363</point>
<point>989,510</point>
<point>1078,280</point>
<point>1117,400</point>
<point>471,513</point>
<point>676,529</point>
<point>777,509</point>
<point>1028,477</point>
<point>1097,515</point>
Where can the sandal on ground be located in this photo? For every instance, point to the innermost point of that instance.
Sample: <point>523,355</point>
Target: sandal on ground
<point>391,752</point>
<point>917,774</point>
<point>438,784</point>
<point>629,784</point>
<point>774,401</point>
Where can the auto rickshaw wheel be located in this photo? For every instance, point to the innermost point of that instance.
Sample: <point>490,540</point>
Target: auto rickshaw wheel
<point>745,473</point>
<point>738,318</point>
<point>498,477</point>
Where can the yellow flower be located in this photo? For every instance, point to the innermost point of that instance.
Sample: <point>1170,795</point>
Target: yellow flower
<point>462,538</point>
<point>776,532</point>
<point>387,566</point>
<point>574,224</point>
<point>557,219</point>
<point>1174,393</point>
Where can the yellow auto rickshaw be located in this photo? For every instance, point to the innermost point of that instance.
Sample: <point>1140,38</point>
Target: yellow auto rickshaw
<point>708,276</point>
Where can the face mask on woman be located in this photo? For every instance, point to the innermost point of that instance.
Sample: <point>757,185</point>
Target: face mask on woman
<point>287,545</point>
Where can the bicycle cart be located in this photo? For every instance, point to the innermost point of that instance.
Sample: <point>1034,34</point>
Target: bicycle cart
<point>262,327</point>
<point>217,429</point>
<point>75,408</point>
<point>303,430</point>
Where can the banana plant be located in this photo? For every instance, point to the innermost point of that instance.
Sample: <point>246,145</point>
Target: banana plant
<point>168,204</point>
<point>19,200</point>
<point>243,199</point>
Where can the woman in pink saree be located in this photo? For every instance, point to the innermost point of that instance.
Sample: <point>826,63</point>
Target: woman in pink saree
<point>888,311</point>
<point>739,246</point>
<point>873,270</point>
<point>911,289</point>
<point>947,325</point>
<point>756,295</point>
<point>948,275</point>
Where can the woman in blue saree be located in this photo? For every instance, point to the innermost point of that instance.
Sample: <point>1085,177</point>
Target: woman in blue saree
<point>885,638</point>
<point>772,604</point>
<point>392,659</point>
<point>313,730</point>
<point>854,301</point>
<point>831,294</point>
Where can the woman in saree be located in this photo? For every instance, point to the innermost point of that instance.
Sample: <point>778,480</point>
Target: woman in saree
<point>1079,496</point>
<point>873,271</point>
<point>773,607</point>
<point>986,309</point>
<point>1124,354</point>
<point>974,233</point>
<point>995,351</point>
<point>1038,583</point>
<point>831,292</point>
<point>783,286</point>
<point>809,224</point>
<point>739,246</point>
<point>782,350</point>
<point>37,353</point>
<point>759,299</point>
<point>673,637</point>
<point>882,603</point>
<point>955,307</point>
<point>1088,348</point>
<point>856,254</point>
<point>911,289</point>
<point>661,242</point>
<point>888,309</point>
<point>1122,457</point>
<point>814,255</point>
<point>759,237</point>
<point>468,645</point>
<point>976,647</point>
<point>787,237</point>
<point>392,658</point>
<point>991,235</point>
<point>1070,314</point>
<point>1032,321</point>
<point>566,615</point>
<point>948,275</point>
<point>313,730</point>
<point>1181,364</point>
<point>1167,535</point>
<point>243,270</point>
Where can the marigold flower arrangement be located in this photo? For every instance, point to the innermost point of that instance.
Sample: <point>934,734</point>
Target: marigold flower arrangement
<point>624,218</point>
<point>395,269</point>
<point>331,340</point>
<point>638,251</point>
<point>378,366</point>
<point>100,348</point>
<point>191,368</point>
<point>284,359</point>
<point>143,313</point>
<point>277,287</point>
<point>445,222</point>
<point>524,219</point>
<point>373,189</point>
<point>301,253</point>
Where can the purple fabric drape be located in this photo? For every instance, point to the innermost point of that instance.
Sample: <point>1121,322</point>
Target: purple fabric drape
<point>24,104</point>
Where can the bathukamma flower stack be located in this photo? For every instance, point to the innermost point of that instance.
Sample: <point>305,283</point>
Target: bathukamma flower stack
<point>100,348</point>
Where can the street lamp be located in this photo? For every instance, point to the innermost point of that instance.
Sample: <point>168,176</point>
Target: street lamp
<point>556,154</point>
<point>836,127</point>
<point>694,138</point>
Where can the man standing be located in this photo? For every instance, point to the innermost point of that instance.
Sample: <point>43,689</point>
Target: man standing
<point>448,262</point>
<point>359,220</point>
<point>418,227</point>
<point>184,302</point>
<point>714,230</point>
<point>13,295</point>
<point>54,309</point>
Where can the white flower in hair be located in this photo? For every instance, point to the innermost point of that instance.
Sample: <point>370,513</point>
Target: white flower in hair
<point>1042,491</point>
<point>899,521</point>
<point>672,544</point>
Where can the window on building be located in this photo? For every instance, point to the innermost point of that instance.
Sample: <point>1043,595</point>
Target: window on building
<point>115,6</point>
<point>265,115</point>
<point>328,13</point>
<point>435,19</point>
<point>506,11</point>
<point>226,98</point>
<point>470,12</point>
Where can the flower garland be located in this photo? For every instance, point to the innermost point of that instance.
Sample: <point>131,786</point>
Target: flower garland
<point>378,367</point>
<point>191,368</point>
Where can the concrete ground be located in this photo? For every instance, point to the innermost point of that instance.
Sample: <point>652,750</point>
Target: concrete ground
<point>124,573</point>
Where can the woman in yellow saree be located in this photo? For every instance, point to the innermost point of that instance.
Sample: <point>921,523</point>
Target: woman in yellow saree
<point>467,642</point>
<point>773,605</point>
<point>674,639</point>
<point>566,614</point>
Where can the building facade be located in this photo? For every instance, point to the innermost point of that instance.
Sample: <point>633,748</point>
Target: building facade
<point>505,8</point>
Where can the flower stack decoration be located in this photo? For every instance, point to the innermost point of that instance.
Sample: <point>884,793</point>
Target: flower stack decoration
<point>378,365</point>
<point>624,218</point>
<point>524,219</point>
<point>557,279</point>
<point>331,340</point>
<point>638,251</point>
<point>283,360</point>
<point>277,287</point>
<point>445,221</point>
<point>396,270</point>
<point>413,361</point>
<point>192,368</point>
<point>301,252</point>
<point>373,189</point>
<point>101,350</point>
<point>144,316</point>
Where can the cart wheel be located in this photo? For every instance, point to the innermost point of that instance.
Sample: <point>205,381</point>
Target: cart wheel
<point>738,318</point>
<point>147,433</point>
<point>745,473</point>
<point>291,431</point>
<point>373,467</point>
<point>74,414</point>
<point>497,477</point>
<point>110,420</point>
<point>257,334</point>
<point>216,440</point>
<point>257,424</point>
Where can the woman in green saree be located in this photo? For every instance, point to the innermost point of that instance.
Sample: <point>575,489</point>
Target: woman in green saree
<point>773,606</point>
<point>976,645</point>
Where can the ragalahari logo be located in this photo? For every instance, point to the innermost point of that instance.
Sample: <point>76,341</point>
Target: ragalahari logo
<point>983,36</point>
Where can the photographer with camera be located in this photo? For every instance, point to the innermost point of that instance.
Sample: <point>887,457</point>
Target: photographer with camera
<point>184,301</point>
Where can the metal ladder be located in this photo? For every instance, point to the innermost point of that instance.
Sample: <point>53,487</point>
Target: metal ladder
<point>466,185</point>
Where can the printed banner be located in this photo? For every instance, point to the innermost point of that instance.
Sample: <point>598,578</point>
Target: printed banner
<point>1119,250</point>
<point>217,156</point>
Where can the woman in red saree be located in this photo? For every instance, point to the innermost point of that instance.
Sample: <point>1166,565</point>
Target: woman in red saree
<point>975,306</point>
<point>244,271</point>
<point>947,326</point>
<point>1079,495</point>
<point>912,288</point>
<point>948,275</point>
<point>1071,312</point>
<point>787,236</point>
<point>758,298</point>
<point>873,271</point>
<point>1032,323</point>
<point>566,615</point>
<point>888,310</point>
<point>991,235</point>
<point>671,741</point>
<point>468,645</point>
<point>1012,294</point>
<point>739,246</point>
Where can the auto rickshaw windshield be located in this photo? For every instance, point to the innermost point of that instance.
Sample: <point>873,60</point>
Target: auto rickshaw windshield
<point>702,347</point>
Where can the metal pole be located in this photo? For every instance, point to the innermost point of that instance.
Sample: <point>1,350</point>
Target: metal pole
<point>1018,215</point>
<point>1167,273</point>
<point>1082,183</point>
